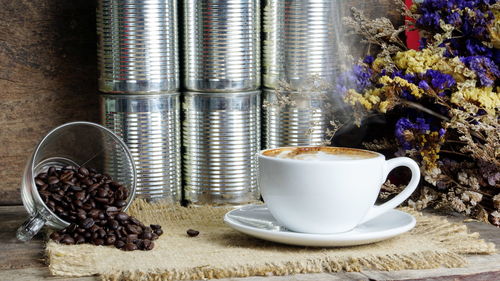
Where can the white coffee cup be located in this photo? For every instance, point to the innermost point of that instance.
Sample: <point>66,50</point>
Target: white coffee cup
<point>328,189</point>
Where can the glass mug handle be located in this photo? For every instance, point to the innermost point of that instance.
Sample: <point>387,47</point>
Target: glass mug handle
<point>30,227</point>
<point>390,165</point>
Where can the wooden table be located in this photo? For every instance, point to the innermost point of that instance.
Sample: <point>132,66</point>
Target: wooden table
<point>24,261</point>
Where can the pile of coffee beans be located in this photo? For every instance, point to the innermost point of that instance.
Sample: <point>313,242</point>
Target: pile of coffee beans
<point>92,202</point>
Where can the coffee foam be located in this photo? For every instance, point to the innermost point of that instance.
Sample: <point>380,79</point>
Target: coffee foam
<point>320,153</point>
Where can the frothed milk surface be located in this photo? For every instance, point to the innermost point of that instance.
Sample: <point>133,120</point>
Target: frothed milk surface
<point>319,153</point>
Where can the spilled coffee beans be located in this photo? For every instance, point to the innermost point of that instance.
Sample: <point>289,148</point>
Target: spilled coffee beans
<point>92,203</point>
<point>192,232</point>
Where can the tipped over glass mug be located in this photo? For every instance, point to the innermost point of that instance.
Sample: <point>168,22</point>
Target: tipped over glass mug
<point>326,190</point>
<point>76,144</point>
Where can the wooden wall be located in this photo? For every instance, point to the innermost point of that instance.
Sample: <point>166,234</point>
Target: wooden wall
<point>48,75</point>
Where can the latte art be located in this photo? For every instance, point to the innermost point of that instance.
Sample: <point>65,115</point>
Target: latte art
<point>320,153</point>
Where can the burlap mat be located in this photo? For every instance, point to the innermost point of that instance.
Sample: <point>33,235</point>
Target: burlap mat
<point>220,252</point>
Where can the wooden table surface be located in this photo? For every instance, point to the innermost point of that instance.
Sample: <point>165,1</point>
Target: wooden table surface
<point>24,261</point>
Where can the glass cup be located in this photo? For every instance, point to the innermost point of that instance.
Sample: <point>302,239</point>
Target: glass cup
<point>77,144</point>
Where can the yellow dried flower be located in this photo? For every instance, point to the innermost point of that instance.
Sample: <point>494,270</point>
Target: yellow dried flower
<point>414,89</point>
<point>484,97</point>
<point>413,61</point>
<point>417,61</point>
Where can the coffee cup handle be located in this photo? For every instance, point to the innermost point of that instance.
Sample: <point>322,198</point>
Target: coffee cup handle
<point>390,165</point>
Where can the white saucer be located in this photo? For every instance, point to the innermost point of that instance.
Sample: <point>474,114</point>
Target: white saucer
<point>255,220</point>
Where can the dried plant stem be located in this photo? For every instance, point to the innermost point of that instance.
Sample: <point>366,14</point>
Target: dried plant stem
<point>424,109</point>
<point>453,152</point>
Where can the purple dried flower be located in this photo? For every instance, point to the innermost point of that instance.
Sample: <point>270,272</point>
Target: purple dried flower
<point>439,80</point>
<point>486,70</point>
<point>359,78</point>
<point>471,25</point>
<point>424,85</point>
<point>405,129</point>
<point>369,59</point>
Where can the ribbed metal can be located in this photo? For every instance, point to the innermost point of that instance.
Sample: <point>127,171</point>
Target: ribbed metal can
<point>150,126</point>
<point>137,48</point>
<point>295,119</point>
<point>221,139</point>
<point>222,45</point>
<point>300,41</point>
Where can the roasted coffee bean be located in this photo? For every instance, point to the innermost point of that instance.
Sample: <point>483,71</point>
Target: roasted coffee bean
<point>111,209</point>
<point>121,216</point>
<point>77,188</point>
<point>192,232</point>
<point>136,222</point>
<point>51,171</point>
<point>147,245</point>
<point>119,244</point>
<point>98,242</point>
<point>87,207</point>
<point>66,176</point>
<point>88,223</point>
<point>39,182</point>
<point>101,216</point>
<point>147,235</point>
<point>81,214</point>
<point>83,171</point>
<point>102,200</point>
<point>67,239</point>
<point>77,203</point>
<point>155,226</point>
<point>87,182</point>
<point>155,236</point>
<point>94,213</point>
<point>53,180</point>
<point>69,167</point>
<point>120,203</point>
<point>134,229</point>
<point>110,240</point>
<point>71,228</point>
<point>130,247</point>
<point>55,236</point>
<point>93,187</point>
<point>101,233</point>
<point>79,239</point>
<point>94,228</point>
<point>80,195</point>
<point>158,231</point>
<point>59,209</point>
<point>101,192</point>
<point>51,204</point>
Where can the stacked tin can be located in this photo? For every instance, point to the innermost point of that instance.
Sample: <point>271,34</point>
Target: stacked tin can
<point>299,50</point>
<point>139,78</point>
<point>221,130</point>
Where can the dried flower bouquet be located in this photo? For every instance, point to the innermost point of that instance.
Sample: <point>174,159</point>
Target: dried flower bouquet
<point>445,97</point>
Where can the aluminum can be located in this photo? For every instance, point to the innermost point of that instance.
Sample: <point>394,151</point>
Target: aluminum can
<point>222,45</point>
<point>221,139</point>
<point>137,49</point>
<point>150,126</point>
<point>300,42</point>
<point>295,119</point>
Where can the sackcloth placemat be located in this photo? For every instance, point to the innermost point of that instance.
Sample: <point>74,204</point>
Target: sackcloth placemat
<point>221,252</point>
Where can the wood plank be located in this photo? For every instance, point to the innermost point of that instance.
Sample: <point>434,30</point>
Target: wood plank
<point>13,253</point>
<point>47,77</point>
